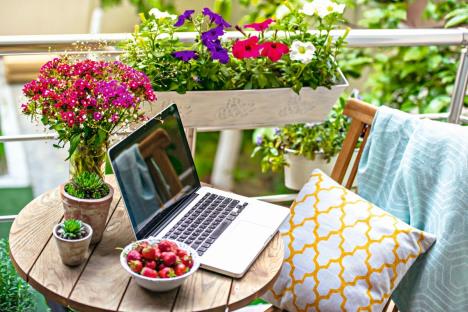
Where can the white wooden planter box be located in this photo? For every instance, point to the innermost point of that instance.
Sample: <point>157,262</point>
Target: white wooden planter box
<point>299,169</point>
<point>244,109</point>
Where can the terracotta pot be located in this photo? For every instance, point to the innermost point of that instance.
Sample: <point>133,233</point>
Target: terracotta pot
<point>73,252</point>
<point>91,211</point>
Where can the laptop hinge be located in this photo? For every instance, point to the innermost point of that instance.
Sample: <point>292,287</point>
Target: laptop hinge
<point>158,227</point>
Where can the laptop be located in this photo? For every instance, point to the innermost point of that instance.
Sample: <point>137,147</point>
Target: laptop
<point>164,199</point>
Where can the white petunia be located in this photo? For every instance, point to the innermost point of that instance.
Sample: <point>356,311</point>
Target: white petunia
<point>160,14</point>
<point>322,8</point>
<point>302,51</point>
<point>282,11</point>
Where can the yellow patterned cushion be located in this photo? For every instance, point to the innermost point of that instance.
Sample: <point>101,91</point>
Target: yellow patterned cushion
<point>342,252</point>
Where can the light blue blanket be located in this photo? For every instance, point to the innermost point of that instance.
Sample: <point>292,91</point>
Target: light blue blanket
<point>418,171</point>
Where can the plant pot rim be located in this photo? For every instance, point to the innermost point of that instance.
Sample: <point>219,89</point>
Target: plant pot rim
<point>99,200</point>
<point>342,82</point>
<point>89,230</point>
<point>295,152</point>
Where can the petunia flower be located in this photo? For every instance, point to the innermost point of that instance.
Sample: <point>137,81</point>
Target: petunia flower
<point>273,50</point>
<point>302,51</point>
<point>219,53</point>
<point>186,55</point>
<point>322,8</point>
<point>161,15</point>
<point>247,48</point>
<point>215,18</point>
<point>183,17</point>
<point>260,26</point>
<point>212,34</point>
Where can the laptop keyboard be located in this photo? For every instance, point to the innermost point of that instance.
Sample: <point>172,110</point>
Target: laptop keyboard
<point>206,221</point>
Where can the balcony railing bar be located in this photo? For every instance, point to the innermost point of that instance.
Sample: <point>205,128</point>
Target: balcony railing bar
<point>52,136</point>
<point>10,45</point>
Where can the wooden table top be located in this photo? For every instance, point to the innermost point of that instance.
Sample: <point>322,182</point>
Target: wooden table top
<point>101,284</point>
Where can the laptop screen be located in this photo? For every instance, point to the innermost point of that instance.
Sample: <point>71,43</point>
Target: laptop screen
<point>154,169</point>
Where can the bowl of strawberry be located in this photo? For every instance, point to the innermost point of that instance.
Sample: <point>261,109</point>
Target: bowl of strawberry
<point>159,265</point>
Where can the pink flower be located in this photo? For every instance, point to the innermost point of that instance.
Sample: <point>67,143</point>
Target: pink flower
<point>97,116</point>
<point>274,50</point>
<point>260,26</point>
<point>247,48</point>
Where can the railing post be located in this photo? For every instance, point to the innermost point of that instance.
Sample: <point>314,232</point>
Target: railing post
<point>459,89</point>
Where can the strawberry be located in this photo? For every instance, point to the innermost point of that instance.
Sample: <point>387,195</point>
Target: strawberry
<point>135,265</point>
<point>166,245</point>
<point>148,253</point>
<point>133,255</point>
<point>167,273</point>
<point>181,253</point>
<point>180,269</point>
<point>168,258</point>
<point>149,273</point>
<point>151,264</point>
<point>188,261</point>
<point>161,266</point>
<point>141,246</point>
<point>157,253</point>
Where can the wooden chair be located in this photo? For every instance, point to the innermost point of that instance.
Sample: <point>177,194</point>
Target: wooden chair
<point>362,116</point>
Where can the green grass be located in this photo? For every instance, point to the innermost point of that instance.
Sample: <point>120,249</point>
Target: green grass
<point>13,200</point>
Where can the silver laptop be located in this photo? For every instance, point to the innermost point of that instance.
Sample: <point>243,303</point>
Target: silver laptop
<point>164,199</point>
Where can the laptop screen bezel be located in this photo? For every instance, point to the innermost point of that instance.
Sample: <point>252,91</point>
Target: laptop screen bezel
<point>116,149</point>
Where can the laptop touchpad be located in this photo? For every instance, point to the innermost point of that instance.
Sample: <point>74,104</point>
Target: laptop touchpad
<point>237,247</point>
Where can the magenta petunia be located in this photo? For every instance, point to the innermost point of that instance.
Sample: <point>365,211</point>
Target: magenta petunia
<point>260,26</point>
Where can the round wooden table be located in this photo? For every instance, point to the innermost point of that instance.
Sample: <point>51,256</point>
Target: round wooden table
<point>101,284</point>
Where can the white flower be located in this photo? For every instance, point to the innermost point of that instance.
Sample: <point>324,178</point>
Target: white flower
<point>163,36</point>
<point>281,11</point>
<point>322,8</point>
<point>302,51</point>
<point>159,14</point>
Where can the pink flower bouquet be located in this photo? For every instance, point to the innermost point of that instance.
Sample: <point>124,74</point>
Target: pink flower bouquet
<point>85,102</point>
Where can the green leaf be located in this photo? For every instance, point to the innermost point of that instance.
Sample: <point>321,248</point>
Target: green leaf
<point>438,104</point>
<point>74,141</point>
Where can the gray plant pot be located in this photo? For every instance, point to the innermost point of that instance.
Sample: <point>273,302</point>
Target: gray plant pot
<point>73,252</point>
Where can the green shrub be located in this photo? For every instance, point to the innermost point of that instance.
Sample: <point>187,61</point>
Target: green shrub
<point>87,185</point>
<point>15,294</point>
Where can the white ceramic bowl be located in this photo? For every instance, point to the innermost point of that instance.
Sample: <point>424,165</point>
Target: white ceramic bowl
<point>159,284</point>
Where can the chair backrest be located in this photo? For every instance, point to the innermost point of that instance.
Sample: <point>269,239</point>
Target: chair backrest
<point>362,115</point>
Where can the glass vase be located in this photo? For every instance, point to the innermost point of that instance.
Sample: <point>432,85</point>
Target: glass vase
<point>88,158</point>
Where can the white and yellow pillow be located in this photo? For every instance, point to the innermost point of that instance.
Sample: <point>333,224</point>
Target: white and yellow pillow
<point>342,253</point>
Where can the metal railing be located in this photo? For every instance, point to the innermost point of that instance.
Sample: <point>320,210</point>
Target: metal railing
<point>108,44</point>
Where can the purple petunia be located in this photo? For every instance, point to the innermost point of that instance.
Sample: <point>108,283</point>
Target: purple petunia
<point>215,18</point>
<point>259,140</point>
<point>186,55</point>
<point>183,17</point>
<point>212,34</point>
<point>219,53</point>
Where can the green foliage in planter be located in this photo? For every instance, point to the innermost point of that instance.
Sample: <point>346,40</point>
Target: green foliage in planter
<point>154,47</point>
<point>413,79</point>
<point>15,294</point>
<point>87,185</point>
<point>72,229</point>
<point>305,139</point>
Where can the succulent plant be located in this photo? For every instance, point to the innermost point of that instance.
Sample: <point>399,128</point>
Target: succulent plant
<point>87,185</point>
<point>72,229</point>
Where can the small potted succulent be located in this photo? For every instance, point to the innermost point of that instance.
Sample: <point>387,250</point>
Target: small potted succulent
<point>73,238</point>
<point>300,148</point>
<point>88,198</point>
